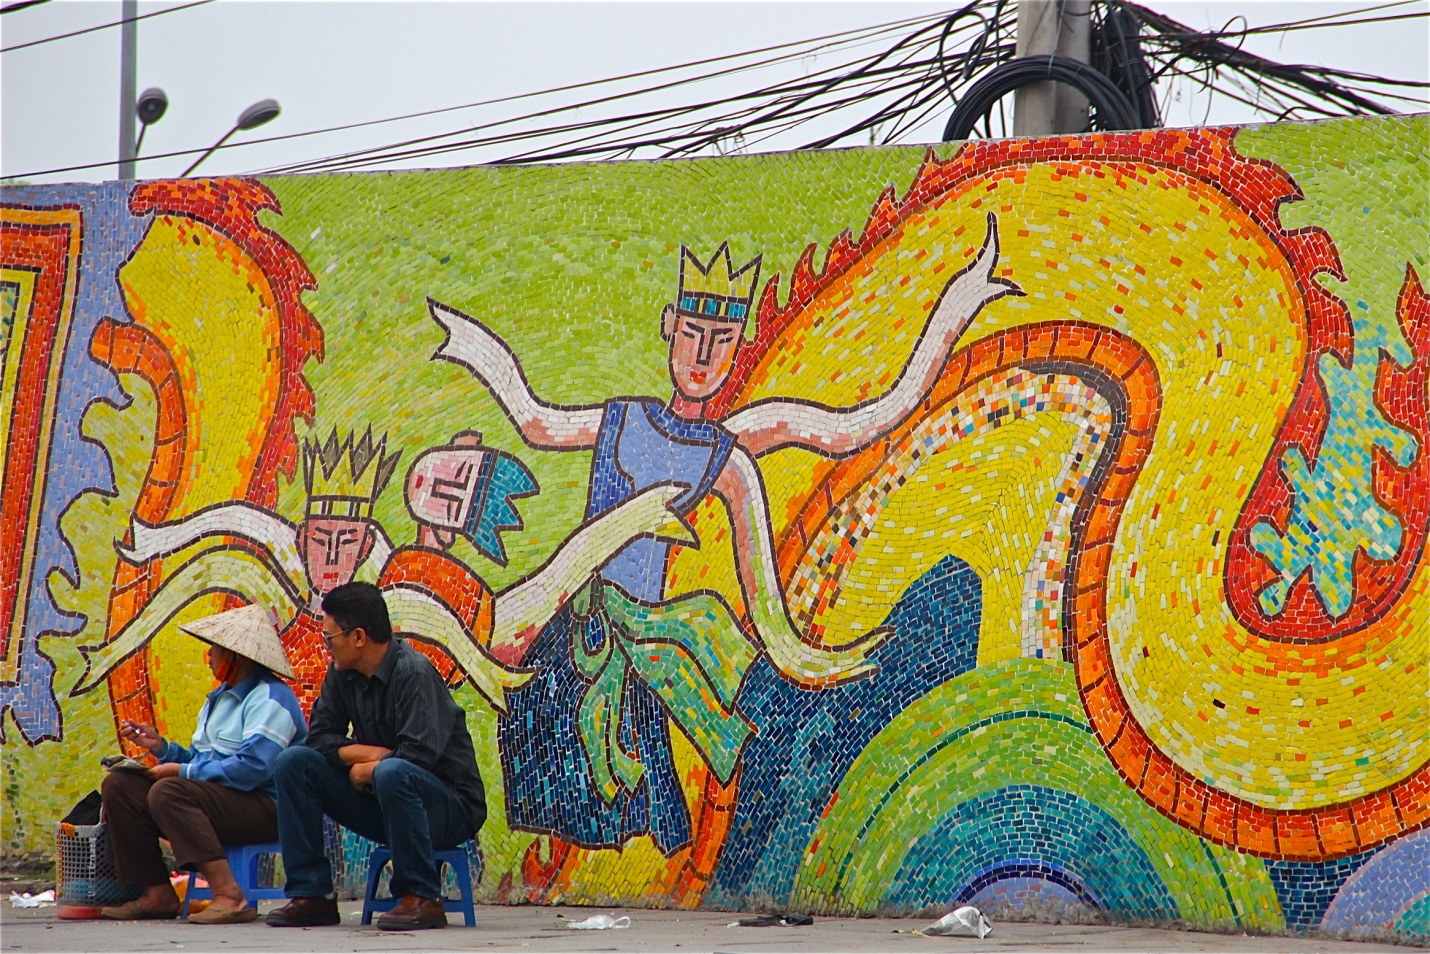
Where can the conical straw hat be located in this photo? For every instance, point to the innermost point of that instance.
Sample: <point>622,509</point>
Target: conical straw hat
<point>248,631</point>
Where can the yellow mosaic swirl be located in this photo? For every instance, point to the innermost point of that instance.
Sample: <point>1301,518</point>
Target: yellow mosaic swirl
<point>1172,262</point>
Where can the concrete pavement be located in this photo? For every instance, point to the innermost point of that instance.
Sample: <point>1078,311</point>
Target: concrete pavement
<point>530,929</point>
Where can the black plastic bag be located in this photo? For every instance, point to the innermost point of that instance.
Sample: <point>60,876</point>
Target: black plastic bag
<point>85,811</point>
<point>778,920</point>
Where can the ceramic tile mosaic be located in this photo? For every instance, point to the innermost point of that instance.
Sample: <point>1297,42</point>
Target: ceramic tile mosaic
<point>1039,524</point>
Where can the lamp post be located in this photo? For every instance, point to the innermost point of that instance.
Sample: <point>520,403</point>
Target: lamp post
<point>261,112</point>
<point>128,40</point>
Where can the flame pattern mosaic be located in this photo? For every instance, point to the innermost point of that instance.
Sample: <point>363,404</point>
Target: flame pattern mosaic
<point>1039,524</point>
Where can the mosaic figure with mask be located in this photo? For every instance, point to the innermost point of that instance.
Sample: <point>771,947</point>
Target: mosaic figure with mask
<point>620,662</point>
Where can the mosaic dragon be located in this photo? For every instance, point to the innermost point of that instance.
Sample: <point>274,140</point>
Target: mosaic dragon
<point>1240,590</point>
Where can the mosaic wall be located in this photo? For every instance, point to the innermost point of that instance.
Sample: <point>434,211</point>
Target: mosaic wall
<point>1035,524</point>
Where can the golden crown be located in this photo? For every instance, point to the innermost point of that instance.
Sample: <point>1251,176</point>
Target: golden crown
<point>337,491</point>
<point>725,294</point>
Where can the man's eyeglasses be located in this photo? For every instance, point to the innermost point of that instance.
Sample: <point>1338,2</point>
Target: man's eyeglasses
<point>329,637</point>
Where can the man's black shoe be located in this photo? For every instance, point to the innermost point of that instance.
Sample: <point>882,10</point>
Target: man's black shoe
<point>306,912</point>
<point>413,913</point>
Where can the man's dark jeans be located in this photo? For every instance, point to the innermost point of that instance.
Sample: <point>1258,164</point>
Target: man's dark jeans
<point>409,809</point>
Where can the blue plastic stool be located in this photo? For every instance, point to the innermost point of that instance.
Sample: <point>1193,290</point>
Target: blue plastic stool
<point>455,858</point>
<point>243,859</point>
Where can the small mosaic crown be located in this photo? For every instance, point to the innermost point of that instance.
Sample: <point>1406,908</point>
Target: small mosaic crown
<point>723,293</point>
<point>337,491</point>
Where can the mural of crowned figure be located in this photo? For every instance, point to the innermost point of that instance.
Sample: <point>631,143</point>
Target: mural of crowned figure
<point>1036,524</point>
<point>620,660</point>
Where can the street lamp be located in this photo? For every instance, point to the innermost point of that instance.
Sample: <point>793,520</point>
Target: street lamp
<point>149,109</point>
<point>263,111</point>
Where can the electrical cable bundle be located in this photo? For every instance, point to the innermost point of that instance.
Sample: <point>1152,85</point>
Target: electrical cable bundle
<point>963,63</point>
<point>898,87</point>
<point>1277,91</point>
<point>1111,109</point>
<point>876,85</point>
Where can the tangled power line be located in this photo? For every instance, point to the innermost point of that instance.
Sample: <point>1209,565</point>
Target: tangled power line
<point>877,84</point>
<point>929,67</point>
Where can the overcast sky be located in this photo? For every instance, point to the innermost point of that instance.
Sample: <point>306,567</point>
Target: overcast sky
<point>330,63</point>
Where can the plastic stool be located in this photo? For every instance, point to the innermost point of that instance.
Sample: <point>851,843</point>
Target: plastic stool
<point>454,858</point>
<point>243,859</point>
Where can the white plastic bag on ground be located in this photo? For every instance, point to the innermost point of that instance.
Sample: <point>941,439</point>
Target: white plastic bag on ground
<point>600,922</point>
<point>966,921</point>
<point>28,900</point>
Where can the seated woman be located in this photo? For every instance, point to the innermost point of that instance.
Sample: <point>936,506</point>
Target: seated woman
<point>217,792</point>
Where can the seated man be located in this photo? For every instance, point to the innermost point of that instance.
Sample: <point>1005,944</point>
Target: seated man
<point>217,792</point>
<point>406,776</point>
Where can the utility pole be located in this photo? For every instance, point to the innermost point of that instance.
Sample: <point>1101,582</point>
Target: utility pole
<point>1064,28</point>
<point>128,86</point>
